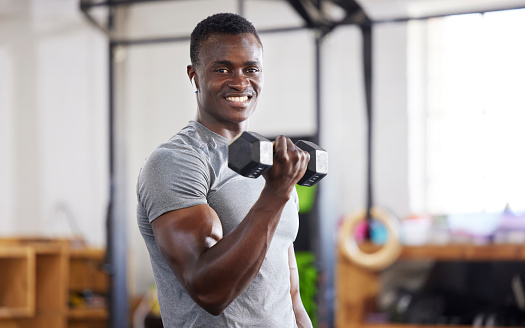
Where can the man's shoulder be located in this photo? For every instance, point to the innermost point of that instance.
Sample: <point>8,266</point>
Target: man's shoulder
<point>175,151</point>
<point>188,141</point>
<point>196,137</point>
<point>194,145</point>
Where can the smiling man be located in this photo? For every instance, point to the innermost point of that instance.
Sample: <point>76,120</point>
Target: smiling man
<point>221,245</point>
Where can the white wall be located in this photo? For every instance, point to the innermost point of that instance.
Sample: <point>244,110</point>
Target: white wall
<point>343,130</point>
<point>53,125</point>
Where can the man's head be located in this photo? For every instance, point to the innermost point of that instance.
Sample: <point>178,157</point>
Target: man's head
<point>223,23</point>
<point>226,69</point>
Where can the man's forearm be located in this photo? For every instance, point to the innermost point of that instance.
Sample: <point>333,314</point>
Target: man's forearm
<point>235,260</point>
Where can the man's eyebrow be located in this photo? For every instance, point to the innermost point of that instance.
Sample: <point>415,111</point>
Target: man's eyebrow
<point>223,62</point>
<point>251,63</point>
<point>229,63</point>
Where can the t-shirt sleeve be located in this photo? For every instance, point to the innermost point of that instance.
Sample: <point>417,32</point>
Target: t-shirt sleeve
<point>172,179</point>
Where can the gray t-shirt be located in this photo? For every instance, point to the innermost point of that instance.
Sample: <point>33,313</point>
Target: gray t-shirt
<point>192,169</point>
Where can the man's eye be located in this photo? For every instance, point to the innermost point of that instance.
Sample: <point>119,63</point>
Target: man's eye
<point>221,70</point>
<point>252,70</point>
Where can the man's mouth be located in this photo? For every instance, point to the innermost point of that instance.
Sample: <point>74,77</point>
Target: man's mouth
<point>238,99</point>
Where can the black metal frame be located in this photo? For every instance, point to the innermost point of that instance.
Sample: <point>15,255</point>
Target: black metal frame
<point>312,14</point>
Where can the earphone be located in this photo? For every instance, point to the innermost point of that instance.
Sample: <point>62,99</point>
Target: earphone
<point>193,83</point>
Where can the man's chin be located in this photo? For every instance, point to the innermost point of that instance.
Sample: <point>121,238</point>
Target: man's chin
<point>243,114</point>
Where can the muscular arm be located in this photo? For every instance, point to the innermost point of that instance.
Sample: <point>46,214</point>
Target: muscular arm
<point>215,269</point>
<point>301,316</point>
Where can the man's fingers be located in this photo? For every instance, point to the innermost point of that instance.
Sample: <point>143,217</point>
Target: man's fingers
<point>281,148</point>
<point>286,150</point>
<point>290,145</point>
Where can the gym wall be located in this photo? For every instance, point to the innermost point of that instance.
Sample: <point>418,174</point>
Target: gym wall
<point>53,117</point>
<point>53,121</point>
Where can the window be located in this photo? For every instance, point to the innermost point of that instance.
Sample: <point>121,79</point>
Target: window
<point>473,139</point>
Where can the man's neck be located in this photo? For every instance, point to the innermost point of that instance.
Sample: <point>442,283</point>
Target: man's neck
<point>229,130</point>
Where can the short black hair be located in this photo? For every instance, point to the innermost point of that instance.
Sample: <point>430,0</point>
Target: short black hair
<point>222,23</point>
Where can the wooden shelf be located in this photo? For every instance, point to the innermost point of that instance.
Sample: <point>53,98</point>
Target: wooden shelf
<point>86,271</point>
<point>391,325</point>
<point>357,288</point>
<point>88,314</point>
<point>87,253</point>
<point>17,282</point>
<point>38,274</point>
<point>465,252</point>
<point>458,252</point>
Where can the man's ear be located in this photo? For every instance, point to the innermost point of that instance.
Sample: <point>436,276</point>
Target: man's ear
<point>192,74</point>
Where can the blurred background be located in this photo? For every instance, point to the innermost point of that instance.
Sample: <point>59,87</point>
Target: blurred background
<point>88,89</point>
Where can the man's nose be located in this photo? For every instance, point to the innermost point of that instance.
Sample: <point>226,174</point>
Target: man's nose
<point>239,81</point>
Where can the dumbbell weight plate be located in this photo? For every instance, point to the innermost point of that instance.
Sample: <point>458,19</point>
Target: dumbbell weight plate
<point>317,166</point>
<point>250,154</point>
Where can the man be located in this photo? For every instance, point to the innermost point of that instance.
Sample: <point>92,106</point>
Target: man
<point>221,245</point>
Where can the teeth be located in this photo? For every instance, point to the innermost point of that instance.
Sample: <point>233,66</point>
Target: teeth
<point>238,99</point>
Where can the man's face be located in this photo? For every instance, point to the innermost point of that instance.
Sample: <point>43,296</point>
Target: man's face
<point>229,78</point>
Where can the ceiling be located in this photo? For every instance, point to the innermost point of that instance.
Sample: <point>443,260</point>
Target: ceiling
<point>336,12</point>
<point>384,10</point>
<point>377,10</point>
<point>331,13</point>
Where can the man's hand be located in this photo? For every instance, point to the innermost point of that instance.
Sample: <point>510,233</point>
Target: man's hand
<point>289,165</point>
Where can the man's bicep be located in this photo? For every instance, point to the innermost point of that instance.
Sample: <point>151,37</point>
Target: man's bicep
<point>172,179</point>
<point>183,235</point>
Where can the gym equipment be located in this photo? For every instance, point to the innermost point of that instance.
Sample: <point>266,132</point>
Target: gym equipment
<point>378,260</point>
<point>317,166</point>
<point>251,154</point>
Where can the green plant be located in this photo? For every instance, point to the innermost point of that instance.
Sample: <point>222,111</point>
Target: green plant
<point>308,283</point>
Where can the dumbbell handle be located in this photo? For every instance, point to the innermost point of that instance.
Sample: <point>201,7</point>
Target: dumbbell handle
<point>251,155</point>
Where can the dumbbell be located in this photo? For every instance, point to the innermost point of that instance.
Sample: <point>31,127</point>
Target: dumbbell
<point>251,154</point>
